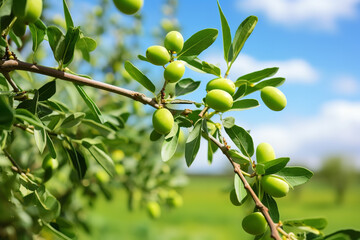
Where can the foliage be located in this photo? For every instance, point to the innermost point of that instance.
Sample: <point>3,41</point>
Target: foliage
<point>62,140</point>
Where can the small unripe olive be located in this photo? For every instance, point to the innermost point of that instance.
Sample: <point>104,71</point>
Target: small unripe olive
<point>273,98</point>
<point>50,163</point>
<point>219,100</point>
<point>19,28</point>
<point>154,209</point>
<point>102,176</point>
<point>28,10</point>
<point>174,71</point>
<point>233,198</point>
<point>128,6</point>
<point>158,55</point>
<point>274,186</point>
<point>264,153</point>
<point>254,223</point>
<point>163,121</point>
<point>174,41</point>
<point>223,84</point>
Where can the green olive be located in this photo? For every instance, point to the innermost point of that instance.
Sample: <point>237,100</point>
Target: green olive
<point>50,163</point>
<point>163,121</point>
<point>223,84</point>
<point>19,27</point>
<point>264,153</point>
<point>174,41</point>
<point>274,186</point>
<point>154,209</point>
<point>254,223</point>
<point>219,100</point>
<point>157,55</point>
<point>233,198</point>
<point>174,71</point>
<point>28,10</point>
<point>128,6</point>
<point>273,98</point>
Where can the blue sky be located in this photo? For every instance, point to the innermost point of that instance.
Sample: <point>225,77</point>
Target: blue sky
<point>316,44</point>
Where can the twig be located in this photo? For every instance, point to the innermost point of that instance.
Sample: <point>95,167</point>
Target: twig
<point>180,101</point>
<point>9,65</point>
<point>258,203</point>
<point>201,114</point>
<point>10,81</point>
<point>16,166</point>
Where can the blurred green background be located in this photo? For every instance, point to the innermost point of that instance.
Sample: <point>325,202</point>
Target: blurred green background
<point>207,213</point>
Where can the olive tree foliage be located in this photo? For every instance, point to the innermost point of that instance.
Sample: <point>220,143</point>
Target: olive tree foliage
<point>65,134</point>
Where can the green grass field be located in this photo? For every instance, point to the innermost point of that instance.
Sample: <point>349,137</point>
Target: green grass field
<point>207,213</point>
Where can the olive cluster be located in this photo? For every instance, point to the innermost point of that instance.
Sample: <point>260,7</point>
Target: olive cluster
<point>219,94</point>
<point>273,185</point>
<point>26,11</point>
<point>163,120</point>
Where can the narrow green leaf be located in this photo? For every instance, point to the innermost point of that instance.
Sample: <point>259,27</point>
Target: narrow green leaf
<point>38,32</point>
<point>244,104</point>
<point>211,68</point>
<point>185,86</point>
<point>242,139</point>
<point>27,116</point>
<point>87,44</point>
<point>225,33</point>
<point>271,204</point>
<point>240,92</point>
<point>56,232</point>
<point>154,136</point>
<point>193,143</point>
<point>7,115</point>
<point>73,120</point>
<point>59,106</point>
<point>237,157</point>
<point>56,40</point>
<point>101,128</point>
<point>173,131</point>
<point>50,146</point>
<point>40,138</point>
<point>274,82</point>
<point>68,19</point>
<point>5,7</point>
<point>142,58</point>
<point>198,42</point>
<point>257,76</point>
<point>47,91</point>
<point>78,161</point>
<point>71,38</point>
<point>242,34</point>
<point>240,190</point>
<point>169,145</point>
<point>102,158</point>
<point>17,40</point>
<point>30,104</point>
<point>183,121</point>
<point>295,176</point>
<point>314,223</point>
<point>228,122</point>
<point>275,165</point>
<point>139,76</point>
<point>90,103</point>
<point>48,205</point>
<point>339,235</point>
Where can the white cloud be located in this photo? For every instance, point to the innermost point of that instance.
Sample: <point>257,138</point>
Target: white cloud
<point>334,130</point>
<point>321,14</point>
<point>346,85</point>
<point>294,70</point>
